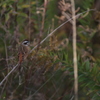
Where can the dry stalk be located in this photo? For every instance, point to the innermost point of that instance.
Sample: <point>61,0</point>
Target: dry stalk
<point>74,52</point>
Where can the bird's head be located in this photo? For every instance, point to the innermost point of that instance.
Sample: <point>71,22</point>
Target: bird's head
<point>26,43</point>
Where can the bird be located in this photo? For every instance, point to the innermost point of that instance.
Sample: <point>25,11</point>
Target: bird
<point>23,52</point>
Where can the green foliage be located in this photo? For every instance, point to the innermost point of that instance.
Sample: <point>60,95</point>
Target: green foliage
<point>89,78</point>
<point>84,4</point>
<point>89,73</point>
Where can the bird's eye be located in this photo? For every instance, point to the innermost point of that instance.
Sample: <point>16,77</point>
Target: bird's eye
<point>25,43</point>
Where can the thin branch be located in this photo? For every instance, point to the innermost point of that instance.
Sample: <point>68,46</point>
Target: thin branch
<point>67,15</point>
<point>8,74</point>
<point>59,27</point>
<point>74,52</point>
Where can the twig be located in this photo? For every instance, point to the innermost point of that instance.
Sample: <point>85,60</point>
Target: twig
<point>59,27</point>
<point>67,15</point>
<point>8,74</point>
<point>74,52</point>
<point>72,98</point>
<point>85,14</point>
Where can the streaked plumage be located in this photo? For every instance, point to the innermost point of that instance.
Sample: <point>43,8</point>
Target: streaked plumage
<point>23,51</point>
<point>22,55</point>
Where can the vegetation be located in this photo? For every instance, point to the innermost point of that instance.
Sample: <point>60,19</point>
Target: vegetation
<point>47,73</point>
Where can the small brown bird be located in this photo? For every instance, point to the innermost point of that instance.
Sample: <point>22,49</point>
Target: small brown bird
<point>22,55</point>
<point>23,51</point>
